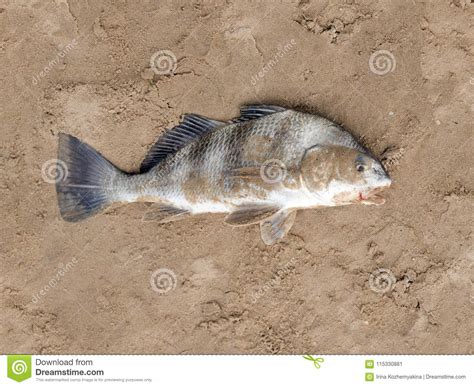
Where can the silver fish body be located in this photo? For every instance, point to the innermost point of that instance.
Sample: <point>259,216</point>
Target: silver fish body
<point>259,168</point>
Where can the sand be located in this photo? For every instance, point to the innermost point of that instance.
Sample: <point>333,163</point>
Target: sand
<point>397,74</point>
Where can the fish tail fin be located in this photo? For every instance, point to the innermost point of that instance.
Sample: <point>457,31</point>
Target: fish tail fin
<point>85,184</point>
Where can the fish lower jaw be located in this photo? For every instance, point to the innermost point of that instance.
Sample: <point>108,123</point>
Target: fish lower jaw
<point>373,196</point>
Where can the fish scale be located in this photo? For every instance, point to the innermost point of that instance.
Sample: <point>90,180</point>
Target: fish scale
<point>290,137</point>
<point>209,166</point>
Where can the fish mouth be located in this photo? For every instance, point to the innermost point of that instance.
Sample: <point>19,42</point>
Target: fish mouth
<point>373,196</point>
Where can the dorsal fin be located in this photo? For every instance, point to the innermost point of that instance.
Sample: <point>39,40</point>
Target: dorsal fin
<point>191,127</point>
<point>251,112</point>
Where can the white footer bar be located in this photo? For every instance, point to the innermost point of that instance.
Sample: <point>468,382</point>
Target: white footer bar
<point>239,370</point>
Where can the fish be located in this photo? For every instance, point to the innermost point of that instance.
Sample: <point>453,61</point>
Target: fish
<point>258,169</point>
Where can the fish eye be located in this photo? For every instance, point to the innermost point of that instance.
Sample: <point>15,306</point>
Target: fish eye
<point>360,162</point>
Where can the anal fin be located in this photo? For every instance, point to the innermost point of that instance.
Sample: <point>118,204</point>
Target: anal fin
<point>162,213</point>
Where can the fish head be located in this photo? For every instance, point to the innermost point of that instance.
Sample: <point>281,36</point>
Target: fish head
<point>342,175</point>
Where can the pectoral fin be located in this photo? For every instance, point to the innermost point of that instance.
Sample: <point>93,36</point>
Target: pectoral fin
<point>244,173</point>
<point>277,226</point>
<point>250,214</point>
